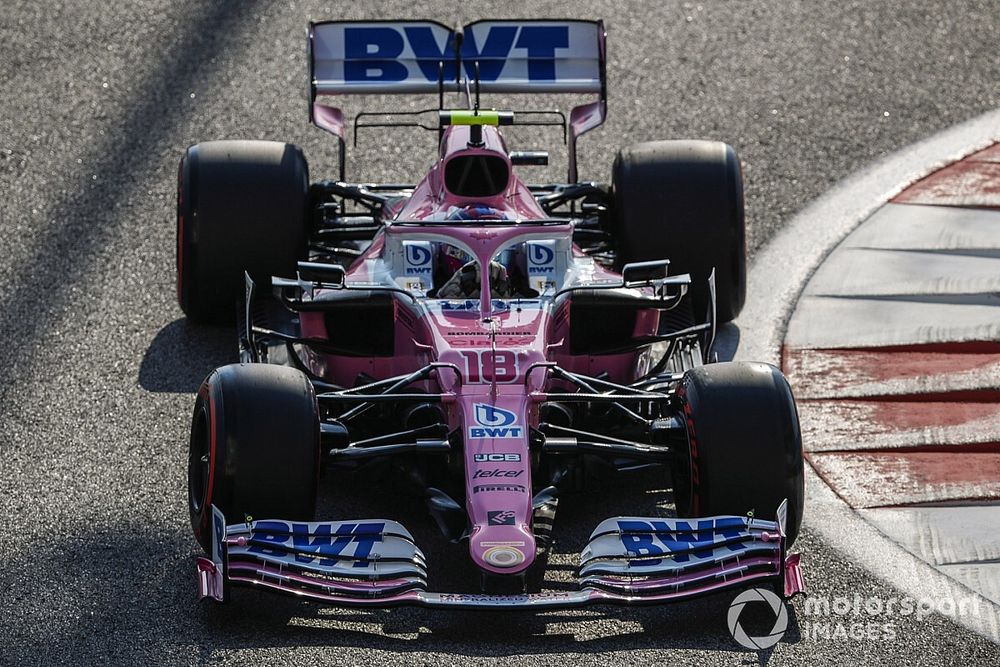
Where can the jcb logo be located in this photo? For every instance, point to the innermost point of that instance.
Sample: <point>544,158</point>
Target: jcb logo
<point>497,458</point>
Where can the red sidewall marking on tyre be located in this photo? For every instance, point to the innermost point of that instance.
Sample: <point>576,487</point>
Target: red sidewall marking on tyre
<point>180,257</point>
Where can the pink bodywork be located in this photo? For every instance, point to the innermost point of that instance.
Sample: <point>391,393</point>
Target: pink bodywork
<point>502,342</point>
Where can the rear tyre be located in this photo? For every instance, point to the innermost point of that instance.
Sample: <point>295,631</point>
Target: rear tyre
<point>241,206</point>
<point>683,201</point>
<point>254,447</point>
<point>745,447</point>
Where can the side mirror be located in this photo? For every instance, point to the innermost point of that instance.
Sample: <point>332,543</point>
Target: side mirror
<point>327,274</point>
<point>637,274</point>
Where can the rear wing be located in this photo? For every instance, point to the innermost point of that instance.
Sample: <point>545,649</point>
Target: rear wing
<point>424,57</point>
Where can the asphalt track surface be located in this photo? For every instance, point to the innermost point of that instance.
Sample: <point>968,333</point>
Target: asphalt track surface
<point>98,368</point>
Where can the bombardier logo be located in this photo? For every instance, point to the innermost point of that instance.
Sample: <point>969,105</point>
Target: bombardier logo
<point>494,422</point>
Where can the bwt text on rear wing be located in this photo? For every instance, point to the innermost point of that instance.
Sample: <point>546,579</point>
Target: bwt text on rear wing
<point>424,57</point>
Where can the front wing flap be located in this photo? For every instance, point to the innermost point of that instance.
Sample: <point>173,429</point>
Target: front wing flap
<point>646,557</point>
<point>375,563</point>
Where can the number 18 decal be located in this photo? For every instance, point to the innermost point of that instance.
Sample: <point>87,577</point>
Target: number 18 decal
<point>486,366</point>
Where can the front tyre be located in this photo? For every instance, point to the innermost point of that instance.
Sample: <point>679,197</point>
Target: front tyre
<point>745,447</point>
<point>254,447</point>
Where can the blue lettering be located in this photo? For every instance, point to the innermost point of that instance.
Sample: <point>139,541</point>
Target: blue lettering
<point>372,43</point>
<point>429,54</point>
<point>365,545</point>
<point>686,537</point>
<point>372,53</point>
<point>541,43</point>
<point>493,56</point>
<point>267,536</point>
<point>640,543</point>
<point>306,541</point>
<point>495,432</point>
<point>369,55</point>
<point>452,305</point>
<point>272,538</point>
<point>662,538</point>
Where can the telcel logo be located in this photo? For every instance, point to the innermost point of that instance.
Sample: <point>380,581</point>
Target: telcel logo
<point>494,422</point>
<point>485,474</point>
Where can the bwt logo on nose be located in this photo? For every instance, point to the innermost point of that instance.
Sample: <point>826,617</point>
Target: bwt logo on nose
<point>372,53</point>
<point>494,423</point>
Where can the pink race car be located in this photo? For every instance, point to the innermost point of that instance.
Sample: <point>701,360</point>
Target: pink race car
<point>492,338</point>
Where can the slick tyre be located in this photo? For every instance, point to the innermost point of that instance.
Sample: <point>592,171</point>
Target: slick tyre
<point>745,447</point>
<point>241,206</point>
<point>254,447</point>
<point>683,201</point>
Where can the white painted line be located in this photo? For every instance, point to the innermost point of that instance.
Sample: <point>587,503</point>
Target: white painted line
<point>778,274</point>
<point>943,535</point>
<point>928,228</point>
<point>830,321</point>
<point>861,542</point>
<point>781,269</point>
<point>983,577</point>
<point>873,272</point>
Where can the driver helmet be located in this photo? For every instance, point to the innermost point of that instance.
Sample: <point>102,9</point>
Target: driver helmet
<point>475,212</point>
<point>451,258</point>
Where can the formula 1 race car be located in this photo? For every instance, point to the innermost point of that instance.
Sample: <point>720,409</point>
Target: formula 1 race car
<point>489,337</point>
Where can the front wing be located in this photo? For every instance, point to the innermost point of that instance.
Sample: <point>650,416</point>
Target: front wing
<point>375,563</point>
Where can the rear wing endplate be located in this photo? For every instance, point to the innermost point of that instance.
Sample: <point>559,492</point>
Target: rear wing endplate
<point>422,57</point>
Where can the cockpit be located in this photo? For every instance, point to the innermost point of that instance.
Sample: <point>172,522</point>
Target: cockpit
<point>441,260</point>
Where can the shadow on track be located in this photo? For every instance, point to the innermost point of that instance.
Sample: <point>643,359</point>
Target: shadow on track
<point>77,239</point>
<point>182,354</point>
<point>727,341</point>
<point>124,578</point>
